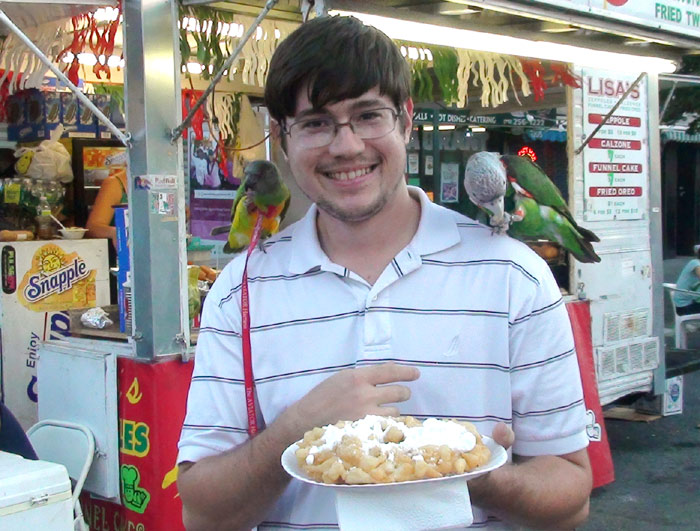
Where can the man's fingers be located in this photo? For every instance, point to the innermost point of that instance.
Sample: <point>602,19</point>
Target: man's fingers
<point>387,411</point>
<point>389,373</point>
<point>503,435</point>
<point>389,394</point>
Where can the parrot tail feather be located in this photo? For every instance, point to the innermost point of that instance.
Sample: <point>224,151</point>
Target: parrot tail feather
<point>585,254</point>
<point>587,234</point>
<point>220,230</point>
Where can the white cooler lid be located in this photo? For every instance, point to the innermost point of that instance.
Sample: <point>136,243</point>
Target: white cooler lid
<point>23,479</point>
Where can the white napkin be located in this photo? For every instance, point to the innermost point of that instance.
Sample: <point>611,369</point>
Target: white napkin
<point>414,506</point>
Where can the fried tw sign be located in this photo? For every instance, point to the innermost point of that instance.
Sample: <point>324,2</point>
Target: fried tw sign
<point>674,16</point>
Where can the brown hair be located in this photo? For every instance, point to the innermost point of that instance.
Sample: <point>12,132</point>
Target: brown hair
<point>335,58</point>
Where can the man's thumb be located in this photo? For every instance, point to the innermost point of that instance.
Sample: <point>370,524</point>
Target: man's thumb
<point>503,435</point>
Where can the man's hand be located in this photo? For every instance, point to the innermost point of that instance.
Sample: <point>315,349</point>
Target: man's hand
<point>235,489</point>
<point>503,435</point>
<point>351,394</point>
<point>545,492</point>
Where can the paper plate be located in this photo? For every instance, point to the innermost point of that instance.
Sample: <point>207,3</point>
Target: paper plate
<point>498,458</point>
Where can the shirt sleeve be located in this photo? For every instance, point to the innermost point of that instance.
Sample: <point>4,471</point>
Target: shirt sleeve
<point>216,418</point>
<point>547,395</point>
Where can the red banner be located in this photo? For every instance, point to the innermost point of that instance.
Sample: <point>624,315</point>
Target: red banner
<point>615,191</point>
<point>624,121</point>
<point>598,447</point>
<point>614,143</point>
<point>152,400</point>
<point>614,167</point>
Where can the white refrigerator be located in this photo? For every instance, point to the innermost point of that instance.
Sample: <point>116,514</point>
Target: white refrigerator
<point>41,281</point>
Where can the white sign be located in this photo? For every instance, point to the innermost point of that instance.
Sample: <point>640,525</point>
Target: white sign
<point>616,160</point>
<point>674,16</point>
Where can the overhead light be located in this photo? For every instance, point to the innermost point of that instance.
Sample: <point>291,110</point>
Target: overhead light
<point>458,11</point>
<point>105,14</point>
<point>446,127</point>
<point>478,129</point>
<point>428,128</point>
<point>503,44</point>
<point>194,68</point>
<point>557,28</point>
<point>90,59</point>
<point>417,53</point>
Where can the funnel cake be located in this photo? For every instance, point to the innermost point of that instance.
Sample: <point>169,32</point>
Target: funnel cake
<point>389,450</point>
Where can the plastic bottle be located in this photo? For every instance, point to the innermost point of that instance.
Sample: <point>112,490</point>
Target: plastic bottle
<point>44,223</point>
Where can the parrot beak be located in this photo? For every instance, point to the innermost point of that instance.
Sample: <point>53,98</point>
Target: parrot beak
<point>497,210</point>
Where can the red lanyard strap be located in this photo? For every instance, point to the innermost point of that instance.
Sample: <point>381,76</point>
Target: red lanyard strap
<point>245,325</point>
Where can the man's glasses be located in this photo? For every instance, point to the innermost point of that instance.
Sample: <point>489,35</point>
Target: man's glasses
<point>320,131</point>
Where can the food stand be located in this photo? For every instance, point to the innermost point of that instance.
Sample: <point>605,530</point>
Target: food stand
<point>616,306</point>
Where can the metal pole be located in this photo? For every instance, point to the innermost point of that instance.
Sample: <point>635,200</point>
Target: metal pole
<point>656,231</point>
<point>612,111</point>
<point>186,122</point>
<point>156,205</point>
<point>124,138</point>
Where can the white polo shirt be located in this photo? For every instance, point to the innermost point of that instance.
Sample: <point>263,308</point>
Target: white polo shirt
<point>479,314</point>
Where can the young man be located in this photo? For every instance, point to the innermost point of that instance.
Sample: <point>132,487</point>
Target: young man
<point>377,302</point>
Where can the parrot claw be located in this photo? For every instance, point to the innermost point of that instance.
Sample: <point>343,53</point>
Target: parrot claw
<point>501,226</point>
<point>261,246</point>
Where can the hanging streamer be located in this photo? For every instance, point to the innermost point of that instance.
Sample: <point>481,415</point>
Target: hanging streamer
<point>535,73</point>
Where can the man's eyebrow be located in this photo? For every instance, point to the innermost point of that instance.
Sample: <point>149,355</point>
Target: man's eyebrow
<point>369,103</point>
<point>372,103</point>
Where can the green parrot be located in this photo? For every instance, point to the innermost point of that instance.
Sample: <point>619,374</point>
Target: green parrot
<point>519,199</point>
<point>261,192</point>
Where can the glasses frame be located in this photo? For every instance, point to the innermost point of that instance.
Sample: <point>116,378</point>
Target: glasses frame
<point>287,128</point>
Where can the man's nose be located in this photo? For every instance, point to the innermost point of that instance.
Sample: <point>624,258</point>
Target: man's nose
<point>346,142</point>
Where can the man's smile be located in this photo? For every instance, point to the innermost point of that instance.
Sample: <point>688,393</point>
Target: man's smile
<point>349,174</point>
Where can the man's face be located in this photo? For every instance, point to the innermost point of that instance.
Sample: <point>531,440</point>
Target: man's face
<point>350,179</point>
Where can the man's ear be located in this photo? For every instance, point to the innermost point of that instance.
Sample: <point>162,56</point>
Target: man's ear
<point>408,121</point>
<point>278,135</point>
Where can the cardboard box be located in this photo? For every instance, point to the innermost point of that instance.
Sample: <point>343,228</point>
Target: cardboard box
<point>87,123</point>
<point>19,128</point>
<point>103,103</point>
<point>34,104</point>
<point>121,223</point>
<point>69,111</point>
<point>670,403</point>
<point>52,112</point>
<point>673,397</point>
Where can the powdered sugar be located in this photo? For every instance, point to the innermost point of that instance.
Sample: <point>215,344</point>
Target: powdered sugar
<point>370,432</point>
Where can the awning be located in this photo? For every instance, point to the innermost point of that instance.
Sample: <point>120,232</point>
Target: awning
<point>680,136</point>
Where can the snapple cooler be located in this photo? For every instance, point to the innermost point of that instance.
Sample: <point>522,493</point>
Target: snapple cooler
<point>41,281</point>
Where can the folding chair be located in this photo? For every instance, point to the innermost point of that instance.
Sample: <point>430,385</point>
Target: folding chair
<point>71,445</point>
<point>681,336</point>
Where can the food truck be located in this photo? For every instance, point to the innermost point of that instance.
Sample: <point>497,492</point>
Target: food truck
<point>573,85</point>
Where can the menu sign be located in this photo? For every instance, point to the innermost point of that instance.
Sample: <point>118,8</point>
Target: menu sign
<point>616,160</point>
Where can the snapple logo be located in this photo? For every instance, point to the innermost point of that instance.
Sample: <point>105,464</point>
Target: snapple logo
<point>42,285</point>
<point>617,3</point>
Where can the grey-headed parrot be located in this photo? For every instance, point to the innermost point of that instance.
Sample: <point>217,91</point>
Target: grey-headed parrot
<point>518,198</point>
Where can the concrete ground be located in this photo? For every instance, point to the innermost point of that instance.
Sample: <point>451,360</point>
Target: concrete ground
<point>657,464</point>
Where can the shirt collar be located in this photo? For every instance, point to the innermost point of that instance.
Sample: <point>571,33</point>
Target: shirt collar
<point>306,251</point>
<point>437,231</point>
